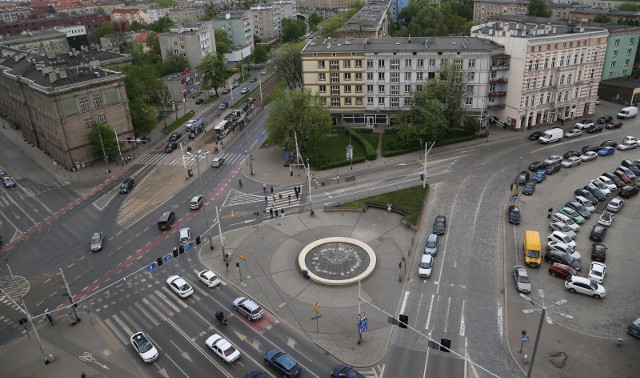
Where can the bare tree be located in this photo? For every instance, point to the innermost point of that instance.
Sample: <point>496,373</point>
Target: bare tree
<point>287,62</point>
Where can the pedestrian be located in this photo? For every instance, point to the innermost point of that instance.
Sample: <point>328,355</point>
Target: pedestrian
<point>49,318</point>
<point>289,197</point>
<point>271,212</point>
<point>297,194</point>
<point>271,189</point>
<point>282,211</point>
<point>549,212</point>
<point>266,201</point>
<point>276,213</point>
<point>274,198</point>
<point>264,188</point>
<point>389,206</point>
<point>280,195</point>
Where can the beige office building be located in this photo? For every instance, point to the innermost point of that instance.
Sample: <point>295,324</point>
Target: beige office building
<point>192,41</point>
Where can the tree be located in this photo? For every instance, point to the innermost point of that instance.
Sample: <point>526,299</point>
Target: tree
<point>538,8</point>
<point>143,116</point>
<point>161,96</point>
<point>100,11</point>
<point>314,20</point>
<point>287,62</point>
<point>631,7</point>
<point>298,113</point>
<point>137,25</point>
<point>260,54</point>
<point>161,26</point>
<point>165,3</point>
<point>223,43</point>
<point>331,25</point>
<point>213,71</point>
<point>450,88</point>
<point>602,19</point>
<point>98,131</point>
<point>293,29</point>
<point>173,63</point>
<point>425,120</point>
<point>105,28</point>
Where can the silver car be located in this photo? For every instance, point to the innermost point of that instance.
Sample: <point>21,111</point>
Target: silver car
<point>615,205</point>
<point>97,241</point>
<point>520,276</point>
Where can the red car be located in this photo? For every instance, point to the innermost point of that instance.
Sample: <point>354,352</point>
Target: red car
<point>225,90</point>
<point>562,271</point>
<point>614,125</point>
<point>622,176</point>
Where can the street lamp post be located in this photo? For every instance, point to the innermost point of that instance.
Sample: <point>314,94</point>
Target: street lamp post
<point>543,315</point>
<point>8,267</point>
<point>106,162</point>
<point>224,255</point>
<point>204,201</point>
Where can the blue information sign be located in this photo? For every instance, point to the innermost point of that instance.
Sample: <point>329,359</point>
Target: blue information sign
<point>151,266</point>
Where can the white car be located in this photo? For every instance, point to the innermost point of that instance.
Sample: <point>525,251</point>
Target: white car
<point>209,278</point>
<point>584,124</point>
<point>588,156</point>
<point>244,90</point>
<point>220,346</point>
<point>597,271</point>
<point>607,181</point>
<point>602,186</point>
<point>627,146</point>
<point>184,236</point>
<point>563,247</point>
<point>605,218</point>
<point>572,161</point>
<point>561,237</point>
<point>582,285</point>
<point>179,286</point>
<point>553,159</point>
<point>630,138</point>
<point>573,133</point>
<point>426,266</point>
<point>143,346</point>
<point>615,205</point>
<point>562,227</point>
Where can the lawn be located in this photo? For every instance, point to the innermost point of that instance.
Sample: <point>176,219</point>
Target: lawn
<point>372,138</point>
<point>177,123</point>
<point>410,200</point>
<point>334,148</point>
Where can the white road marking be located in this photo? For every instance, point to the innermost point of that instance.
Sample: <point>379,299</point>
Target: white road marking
<point>446,317</point>
<point>462,326</point>
<point>404,302</point>
<point>429,316</point>
<point>500,321</point>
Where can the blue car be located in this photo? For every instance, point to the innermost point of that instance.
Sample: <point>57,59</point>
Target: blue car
<point>540,176</point>
<point>285,365</point>
<point>605,151</point>
<point>344,371</point>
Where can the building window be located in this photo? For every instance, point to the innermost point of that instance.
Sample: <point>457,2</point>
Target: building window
<point>333,65</point>
<point>394,64</point>
<point>457,63</point>
<point>546,63</point>
<point>321,64</point>
<point>420,63</point>
<point>97,102</point>
<point>84,105</point>
<point>613,64</point>
<point>369,100</point>
<point>369,63</point>
<point>335,102</point>
<point>323,100</point>
<point>431,75</point>
<point>358,100</point>
<point>321,77</point>
<point>358,76</point>
<point>358,63</point>
<point>380,88</point>
<point>407,88</point>
<point>358,88</point>
<point>624,72</point>
<point>553,62</point>
<point>631,41</point>
<point>346,64</point>
<point>407,63</point>
<point>395,90</point>
<point>468,101</point>
<point>548,97</point>
<point>566,96</point>
<point>369,88</point>
<point>335,78</point>
<point>381,101</point>
<point>380,63</point>
<point>395,77</point>
<point>615,53</point>
<point>419,76</point>
<point>527,84</point>
<point>628,52</point>
<point>471,75</point>
<point>102,119</point>
<point>369,75</point>
<point>419,87</point>
<point>432,62</point>
<point>347,89</point>
<point>335,90</point>
<point>569,77</point>
<point>394,102</point>
<point>323,89</point>
<point>88,123</point>
<point>626,62</point>
<point>347,76</point>
<point>562,61</point>
<point>471,63</point>
<point>381,76</point>
<point>347,100</point>
<point>616,42</point>
<point>407,76</point>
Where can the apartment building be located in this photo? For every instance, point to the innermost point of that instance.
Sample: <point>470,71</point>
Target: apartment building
<point>55,100</point>
<point>14,14</point>
<point>186,14</point>
<point>396,7</point>
<point>237,25</point>
<point>554,70</point>
<point>129,15</point>
<point>192,41</point>
<point>324,4</point>
<point>263,22</point>
<point>483,10</point>
<point>38,41</point>
<point>371,21</point>
<point>91,21</point>
<point>366,81</point>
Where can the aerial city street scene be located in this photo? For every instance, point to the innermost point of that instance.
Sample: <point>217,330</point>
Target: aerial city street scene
<point>298,188</point>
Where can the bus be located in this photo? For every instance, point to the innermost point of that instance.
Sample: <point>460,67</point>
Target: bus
<point>532,248</point>
<point>222,129</point>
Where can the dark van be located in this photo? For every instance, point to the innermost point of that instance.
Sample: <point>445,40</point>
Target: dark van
<point>127,185</point>
<point>166,220</point>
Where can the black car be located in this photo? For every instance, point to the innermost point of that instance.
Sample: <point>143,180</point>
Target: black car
<point>598,252</point>
<point>514,214</point>
<point>256,373</point>
<point>596,128</point>
<point>605,119</point>
<point>533,167</point>
<point>536,135</point>
<point>616,180</point>
<point>632,166</point>
<point>609,143</point>
<point>586,194</point>
<point>599,194</point>
<point>175,136</point>
<point>554,256</point>
<point>170,147</point>
<point>551,169</point>
<point>529,188</point>
<point>126,186</point>
<point>522,178</point>
<point>569,154</point>
<point>253,79</point>
<point>597,233</point>
<point>200,101</point>
<point>579,208</point>
<point>590,147</point>
<point>628,191</point>
<point>344,371</point>
<point>439,225</point>
<point>281,362</point>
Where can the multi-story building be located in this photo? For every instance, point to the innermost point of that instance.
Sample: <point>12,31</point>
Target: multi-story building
<point>582,15</point>
<point>282,9</point>
<point>324,4</point>
<point>263,22</point>
<point>56,100</point>
<point>397,6</point>
<point>38,41</point>
<point>237,25</point>
<point>366,81</point>
<point>14,15</point>
<point>483,10</point>
<point>154,14</point>
<point>554,70</point>
<point>186,14</point>
<point>129,15</point>
<point>91,21</point>
<point>192,41</point>
<point>371,21</point>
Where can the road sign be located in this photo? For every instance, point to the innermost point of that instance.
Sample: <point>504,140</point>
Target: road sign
<point>363,325</point>
<point>243,261</point>
<point>316,317</point>
<point>261,137</point>
<point>316,308</point>
<point>187,247</point>
<point>242,256</point>
<point>167,257</point>
<point>514,197</point>
<point>151,266</point>
<point>525,338</point>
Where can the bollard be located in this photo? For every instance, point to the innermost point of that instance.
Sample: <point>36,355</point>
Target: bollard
<point>525,359</point>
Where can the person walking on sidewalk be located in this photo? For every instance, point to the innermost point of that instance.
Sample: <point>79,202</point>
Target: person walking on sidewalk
<point>271,212</point>
<point>271,189</point>
<point>264,188</point>
<point>49,318</point>
<point>289,198</point>
<point>549,213</point>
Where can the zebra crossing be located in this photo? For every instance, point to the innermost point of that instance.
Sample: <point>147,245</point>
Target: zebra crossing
<point>155,158</point>
<point>280,199</point>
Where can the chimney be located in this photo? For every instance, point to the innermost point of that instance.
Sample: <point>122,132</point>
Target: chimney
<point>52,77</point>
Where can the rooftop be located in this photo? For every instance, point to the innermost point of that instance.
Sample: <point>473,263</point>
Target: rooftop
<point>401,44</point>
<point>543,21</point>
<point>532,28</point>
<point>32,34</point>
<point>368,17</point>
<point>232,14</point>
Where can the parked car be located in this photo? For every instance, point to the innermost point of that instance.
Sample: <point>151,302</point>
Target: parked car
<point>439,225</point>
<point>540,176</point>
<point>552,168</point>
<point>585,123</point>
<point>529,188</point>
<point>174,137</point>
<point>431,245</point>
<point>572,161</point>
<point>627,146</point>
<point>426,266</point>
<point>632,166</point>
<point>586,203</point>
<point>8,182</point>
<point>200,101</point>
<point>588,156</point>
<point>553,159</point>
<point>253,79</point>
<point>562,227</point>
<point>615,205</point>
<point>628,172</point>
<point>561,270</point>
<point>628,191</point>
<point>630,138</point>
<point>579,219</point>
<point>562,238</point>
<point>523,177</point>
<point>594,129</point>
<point>344,371</point>
<point>597,270</point>
<point>606,218</point>
<point>513,213</point>
<point>536,165</point>
<point>598,252</point>
<point>602,186</point>
<point>554,256</point>
<point>598,233</point>
<point>590,147</point>
<point>605,119</point>
<point>586,194</point>
<point>226,90</point>
<point>535,135</point>
<point>616,180</point>
<point>622,176</point>
<point>584,286</point>
<point>557,217</point>
<point>580,208</point>
<point>520,276</point>
<point>608,182</point>
<point>573,133</point>
<point>282,363</point>
<point>564,248</point>
<point>606,151</point>
<point>614,125</point>
<point>596,192</point>
<point>608,143</point>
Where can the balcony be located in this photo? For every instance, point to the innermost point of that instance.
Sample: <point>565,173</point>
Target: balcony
<point>500,67</point>
<point>497,94</point>
<point>500,80</point>
<point>496,106</point>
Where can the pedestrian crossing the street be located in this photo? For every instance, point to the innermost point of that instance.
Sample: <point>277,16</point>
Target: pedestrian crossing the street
<point>280,200</point>
<point>189,160</point>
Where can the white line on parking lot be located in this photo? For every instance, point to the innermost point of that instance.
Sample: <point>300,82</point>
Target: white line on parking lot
<point>429,315</point>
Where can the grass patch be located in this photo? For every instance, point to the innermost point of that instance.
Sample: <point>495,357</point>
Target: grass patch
<point>334,149</point>
<point>410,200</point>
<point>372,138</point>
<point>179,122</point>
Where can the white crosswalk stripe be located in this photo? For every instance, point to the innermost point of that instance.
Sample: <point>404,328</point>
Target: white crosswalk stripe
<point>281,199</point>
<point>177,159</point>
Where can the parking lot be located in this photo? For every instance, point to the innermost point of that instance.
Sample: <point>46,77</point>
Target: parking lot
<point>609,316</point>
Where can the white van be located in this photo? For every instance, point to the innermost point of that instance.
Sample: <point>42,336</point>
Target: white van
<point>558,217</point>
<point>551,135</point>
<point>628,112</point>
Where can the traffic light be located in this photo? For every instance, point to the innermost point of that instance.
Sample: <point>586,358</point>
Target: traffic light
<point>181,249</point>
<point>403,321</point>
<point>159,261</point>
<point>175,252</point>
<point>445,345</point>
<point>198,240</point>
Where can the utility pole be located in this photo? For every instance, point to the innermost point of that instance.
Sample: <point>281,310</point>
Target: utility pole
<point>224,255</point>
<point>118,144</point>
<point>204,201</point>
<point>424,167</point>
<point>66,285</point>
<point>184,163</point>
<point>106,161</point>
